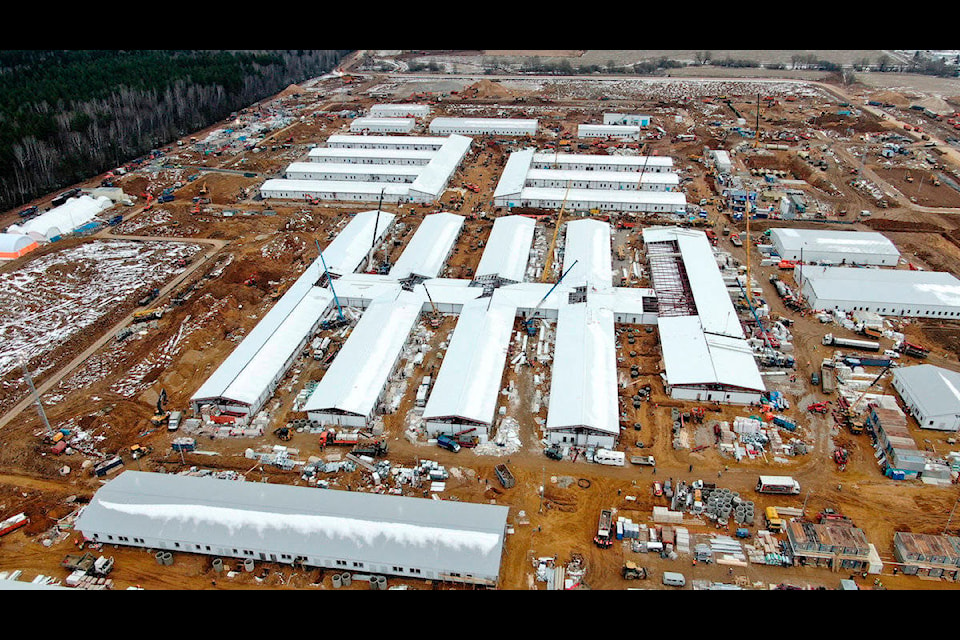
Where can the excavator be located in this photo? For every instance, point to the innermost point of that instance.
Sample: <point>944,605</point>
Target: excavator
<point>850,415</point>
<point>162,416</point>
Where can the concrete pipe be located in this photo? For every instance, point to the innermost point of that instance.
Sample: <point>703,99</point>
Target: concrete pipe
<point>217,565</point>
<point>346,579</point>
<point>159,556</point>
<point>374,583</point>
<point>167,558</point>
<point>382,582</point>
<point>337,582</point>
<point>248,565</point>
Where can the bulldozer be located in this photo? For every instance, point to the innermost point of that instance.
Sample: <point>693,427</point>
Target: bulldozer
<point>631,571</point>
<point>138,451</point>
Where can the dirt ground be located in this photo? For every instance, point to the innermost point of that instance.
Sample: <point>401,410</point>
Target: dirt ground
<point>267,245</point>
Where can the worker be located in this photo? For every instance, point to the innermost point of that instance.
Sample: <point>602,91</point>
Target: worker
<point>719,473</point>
<point>691,468</point>
<point>839,486</point>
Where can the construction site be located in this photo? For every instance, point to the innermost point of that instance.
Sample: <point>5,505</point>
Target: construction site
<point>394,331</point>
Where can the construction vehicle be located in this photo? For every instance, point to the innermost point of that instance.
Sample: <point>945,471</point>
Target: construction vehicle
<point>913,350</point>
<point>554,452</point>
<point>465,439</point>
<point>372,448</point>
<point>435,318</point>
<point>161,416</point>
<point>203,188</point>
<point>530,323</point>
<point>841,456</point>
<point>251,281</point>
<point>284,433</point>
<point>866,345</point>
<point>604,537</point>
<point>150,297</point>
<point>448,443</point>
<point>13,523</point>
<point>342,438</point>
<point>648,461</point>
<point>827,379</point>
<point>88,564</point>
<point>818,407</point>
<point>147,315</point>
<point>556,232</point>
<point>505,476</point>
<point>735,239</point>
<point>743,533</point>
<point>138,451</point>
<point>831,515</point>
<point>773,521</point>
<point>631,571</point>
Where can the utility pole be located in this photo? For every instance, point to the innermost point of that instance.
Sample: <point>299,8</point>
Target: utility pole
<point>949,519</point>
<point>36,396</point>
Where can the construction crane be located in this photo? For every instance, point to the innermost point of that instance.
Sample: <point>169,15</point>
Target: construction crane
<point>556,233</point>
<point>36,397</point>
<point>376,226</point>
<point>529,323</point>
<point>850,414</point>
<point>435,318</point>
<point>756,134</point>
<point>330,282</point>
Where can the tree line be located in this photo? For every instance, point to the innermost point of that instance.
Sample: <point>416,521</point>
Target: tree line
<point>67,115</point>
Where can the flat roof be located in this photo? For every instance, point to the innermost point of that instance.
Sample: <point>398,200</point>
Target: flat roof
<point>850,242</point>
<point>935,390</point>
<point>581,158</point>
<point>583,387</point>
<point>508,248</point>
<point>387,140</point>
<point>382,529</point>
<point>693,357</point>
<point>514,174</point>
<point>353,169</point>
<point>350,152</point>
<point>386,109</point>
<point>523,124</point>
<point>382,122</point>
<point>895,287</point>
<point>674,199</point>
<point>429,247</point>
<point>588,243</point>
<point>356,377</point>
<point>666,177</point>
<point>333,187</point>
<point>468,385</point>
<point>434,177</point>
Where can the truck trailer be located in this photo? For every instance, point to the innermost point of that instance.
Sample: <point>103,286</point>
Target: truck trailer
<point>778,484</point>
<point>864,345</point>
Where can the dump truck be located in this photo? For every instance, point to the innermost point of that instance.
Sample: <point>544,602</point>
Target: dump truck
<point>604,537</point>
<point>147,315</point>
<point>648,461</point>
<point>865,345</point>
<point>827,379</point>
<point>505,476</point>
<point>773,521</point>
<point>373,448</point>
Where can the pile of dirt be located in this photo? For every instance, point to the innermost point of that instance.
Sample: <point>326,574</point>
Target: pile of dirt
<point>489,89</point>
<point>291,90</point>
<point>891,97</point>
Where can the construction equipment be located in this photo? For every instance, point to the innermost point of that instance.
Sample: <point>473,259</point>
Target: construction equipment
<point>330,282</point>
<point>631,571</point>
<point>530,323</point>
<point>849,414</point>
<point>283,433</point>
<point>138,451</point>
<point>435,318</point>
<point>841,456</point>
<point>161,416</point>
<point>147,315</point>
<point>554,452</point>
<point>604,537</point>
<point>553,243</point>
<point>505,476</point>
<point>150,297</point>
<point>465,439</point>
<point>372,448</point>
<point>773,520</point>
<point>448,443</point>
<point>251,281</point>
<point>818,407</point>
<point>648,461</point>
<point>743,533</point>
<point>203,189</point>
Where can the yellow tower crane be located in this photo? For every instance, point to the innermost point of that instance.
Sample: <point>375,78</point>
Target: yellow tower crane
<point>553,243</point>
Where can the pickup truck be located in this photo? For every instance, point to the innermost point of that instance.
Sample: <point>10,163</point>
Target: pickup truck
<point>643,460</point>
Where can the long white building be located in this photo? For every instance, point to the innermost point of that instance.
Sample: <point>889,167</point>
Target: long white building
<point>888,292</point>
<point>835,247</point>
<point>400,110</point>
<point>382,125</point>
<point>353,531</point>
<point>621,131</point>
<point>484,126</point>
<point>584,162</point>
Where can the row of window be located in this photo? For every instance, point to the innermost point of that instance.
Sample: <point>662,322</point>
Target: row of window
<point>908,312</point>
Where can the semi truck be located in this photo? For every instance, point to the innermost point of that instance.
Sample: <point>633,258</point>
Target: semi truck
<point>827,379</point>
<point>604,537</point>
<point>866,361</point>
<point>505,476</point>
<point>864,345</point>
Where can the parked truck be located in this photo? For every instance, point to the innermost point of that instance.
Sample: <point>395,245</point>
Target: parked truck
<point>866,361</point>
<point>505,476</point>
<point>648,461</point>
<point>604,537</point>
<point>864,345</point>
<point>448,443</point>
<point>778,484</point>
<point>912,350</point>
<point>13,523</point>
<point>828,379</point>
<point>784,423</point>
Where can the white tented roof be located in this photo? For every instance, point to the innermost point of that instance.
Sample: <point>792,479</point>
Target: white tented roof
<point>935,390</point>
<point>395,110</point>
<point>828,240</point>
<point>357,376</point>
<point>508,248</point>
<point>394,124</point>
<point>692,357</point>
<point>891,286</point>
<point>468,384</point>
<point>355,240</point>
<point>519,125</point>
<point>74,213</point>
<point>583,388</point>
<point>434,177</point>
<point>253,365</point>
<point>432,535</point>
<point>429,247</point>
<point>514,175</point>
<point>325,153</point>
<point>588,243</point>
<point>14,242</point>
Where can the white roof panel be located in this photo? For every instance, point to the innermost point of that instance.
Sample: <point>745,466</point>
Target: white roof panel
<point>588,243</point>
<point>692,357</point>
<point>672,199</point>
<point>666,177</point>
<point>429,247</point>
<point>397,142</point>
<point>358,374</point>
<point>935,390</point>
<point>325,153</point>
<point>583,388</point>
<point>579,158</point>
<point>297,169</point>
<point>333,187</point>
<point>468,384</point>
<point>514,175</point>
<point>351,245</point>
<point>508,248</point>
<point>892,286</point>
<point>434,177</point>
<point>520,125</point>
<point>851,242</point>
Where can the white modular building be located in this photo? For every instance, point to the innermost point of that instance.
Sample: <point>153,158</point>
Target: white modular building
<point>407,143</point>
<point>585,162</point>
<point>587,258</point>
<point>59,221</point>
<point>835,247</point>
<point>705,354</point>
<point>382,125</point>
<point>931,394</point>
<point>484,126</point>
<point>429,248</point>
<point>507,251</point>
<point>602,180</point>
<point>720,159</point>
<point>352,390</point>
<point>433,179</point>
<point>620,131</point>
<point>467,388</point>
<point>888,292</point>
<point>368,533</point>
<point>334,172</point>
<point>586,200</point>
<point>348,251</point>
<point>399,110</point>
<point>583,408</point>
<point>635,119</point>
<point>340,190</point>
<point>372,155</point>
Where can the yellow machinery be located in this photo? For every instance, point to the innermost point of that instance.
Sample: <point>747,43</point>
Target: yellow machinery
<point>553,243</point>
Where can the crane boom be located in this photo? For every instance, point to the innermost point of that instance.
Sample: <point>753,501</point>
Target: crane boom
<point>556,233</point>
<point>330,281</point>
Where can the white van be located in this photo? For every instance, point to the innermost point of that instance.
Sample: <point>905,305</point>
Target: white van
<point>174,421</point>
<point>673,579</point>
<point>614,458</point>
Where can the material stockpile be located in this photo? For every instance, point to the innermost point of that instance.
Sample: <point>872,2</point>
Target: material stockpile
<point>278,456</point>
<point>767,550</point>
<point>722,504</point>
<point>627,529</point>
<point>504,442</point>
<point>665,515</point>
<point>727,551</point>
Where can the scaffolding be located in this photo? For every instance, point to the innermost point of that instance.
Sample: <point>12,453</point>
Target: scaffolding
<point>669,278</point>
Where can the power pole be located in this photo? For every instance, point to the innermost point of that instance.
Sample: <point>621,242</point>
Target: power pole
<point>950,518</point>
<point>36,396</point>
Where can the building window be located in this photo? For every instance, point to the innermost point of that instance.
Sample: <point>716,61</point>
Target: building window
<point>341,563</point>
<point>358,565</point>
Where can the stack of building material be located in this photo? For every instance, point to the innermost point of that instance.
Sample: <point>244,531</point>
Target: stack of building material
<point>664,515</point>
<point>727,551</point>
<point>682,540</point>
<point>627,529</point>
